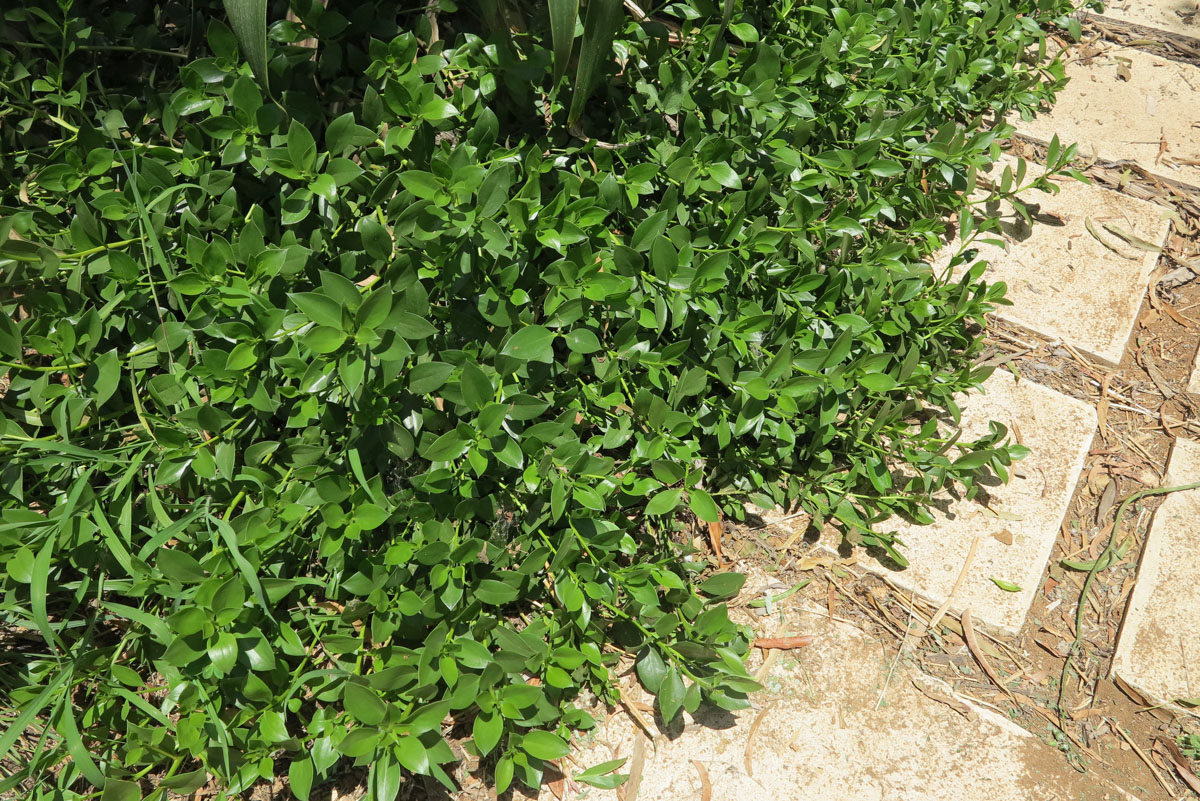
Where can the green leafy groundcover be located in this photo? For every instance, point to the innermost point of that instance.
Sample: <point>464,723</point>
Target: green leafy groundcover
<point>359,405</point>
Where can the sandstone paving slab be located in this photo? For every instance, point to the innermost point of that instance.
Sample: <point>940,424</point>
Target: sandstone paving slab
<point>840,720</point>
<point>1119,119</point>
<point>1158,652</point>
<point>1016,524</point>
<point>1062,280</point>
<point>1174,16</point>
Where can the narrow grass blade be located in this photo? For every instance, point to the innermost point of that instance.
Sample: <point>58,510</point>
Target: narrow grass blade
<point>718,40</point>
<point>17,727</point>
<point>1091,228</point>
<point>563,14</point>
<point>248,573</point>
<point>599,26</point>
<point>149,236</point>
<point>115,546</point>
<point>38,592</point>
<point>1130,239</point>
<point>153,624</point>
<point>69,732</point>
<point>248,18</point>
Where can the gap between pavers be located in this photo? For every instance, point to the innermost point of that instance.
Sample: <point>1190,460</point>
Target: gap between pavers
<point>839,721</point>
<point>1174,16</point>
<point>1027,511</point>
<point>1063,281</point>
<point>1158,652</point>
<point>1120,119</point>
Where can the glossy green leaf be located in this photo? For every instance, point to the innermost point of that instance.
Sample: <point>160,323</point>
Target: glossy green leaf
<point>320,308</point>
<point>180,565</point>
<point>544,745</point>
<point>344,134</point>
<point>420,183</point>
<point>703,505</point>
<point>504,773</point>
<point>385,778</point>
<point>412,754</point>
<point>445,448</point>
<point>486,731</point>
<point>103,376</point>
<point>670,695</point>
<point>664,502</point>
<point>300,777</point>
<point>437,110</point>
<point>364,704</point>
<point>602,776</point>
<point>648,230</point>
<point>1007,586</point>
<point>651,670</point>
<point>476,387</point>
<point>301,147</point>
<point>723,585</point>
<point>324,339</point>
<point>120,790</point>
<point>878,382</point>
<point>375,238</point>
<point>223,653</point>
<point>533,343</point>
<point>493,192</point>
<point>428,377</point>
<point>582,340</point>
<point>410,326</point>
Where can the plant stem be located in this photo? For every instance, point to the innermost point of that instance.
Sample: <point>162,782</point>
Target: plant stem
<point>108,49</point>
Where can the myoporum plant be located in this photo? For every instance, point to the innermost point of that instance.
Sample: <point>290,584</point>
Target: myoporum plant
<point>363,372</point>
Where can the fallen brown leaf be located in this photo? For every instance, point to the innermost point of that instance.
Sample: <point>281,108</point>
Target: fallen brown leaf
<point>973,644</point>
<point>1084,714</point>
<point>1176,316</point>
<point>1156,375</point>
<point>714,539</point>
<point>558,786</point>
<point>637,716</point>
<point>1106,501</point>
<point>705,784</point>
<point>1181,764</point>
<point>635,770</point>
<point>1040,677</point>
<point>750,738</point>
<point>809,562</point>
<point>784,643</point>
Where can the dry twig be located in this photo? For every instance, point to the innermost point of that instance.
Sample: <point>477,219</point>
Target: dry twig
<point>962,575</point>
<point>1141,754</point>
